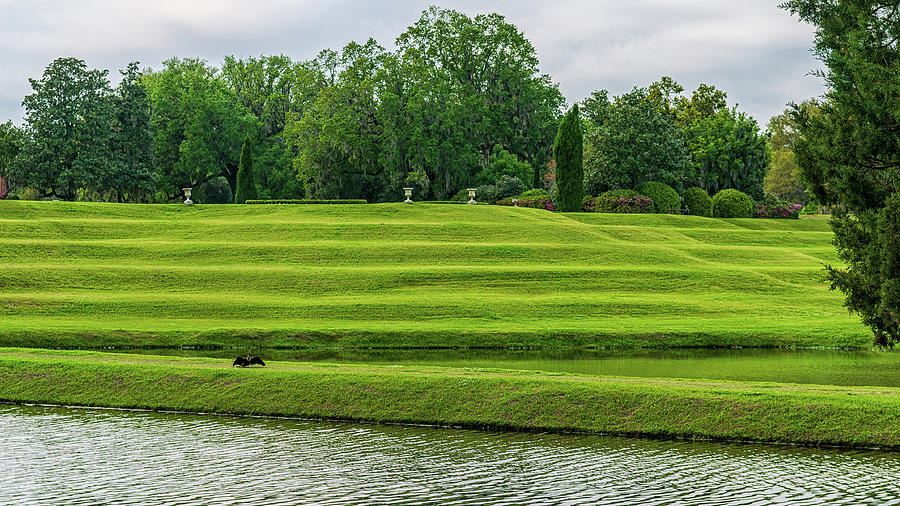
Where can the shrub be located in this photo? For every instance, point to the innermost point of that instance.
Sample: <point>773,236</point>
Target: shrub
<point>623,201</point>
<point>697,201</point>
<point>507,186</point>
<point>214,191</point>
<point>587,204</point>
<point>731,203</point>
<point>486,193</point>
<point>536,203</point>
<point>534,194</point>
<point>773,207</point>
<point>308,201</point>
<point>664,197</point>
<point>31,194</point>
<point>12,196</point>
<point>461,196</point>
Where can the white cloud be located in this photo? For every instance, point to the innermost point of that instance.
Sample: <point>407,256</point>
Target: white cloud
<point>752,50</point>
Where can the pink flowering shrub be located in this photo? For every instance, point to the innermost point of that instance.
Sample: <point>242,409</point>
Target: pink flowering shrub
<point>536,203</point>
<point>784,211</point>
<point>613,204</point>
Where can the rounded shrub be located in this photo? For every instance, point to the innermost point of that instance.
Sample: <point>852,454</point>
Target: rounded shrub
<point>664,197</point>
<point>214,191</point>
<point>534,194</point>
<point>697,201</point>
<point>508,186</point>
<point>461,196</point>
<point>12,196</point>
<point>30,194</point>
<point>731,203</point>
<point>486,193</point>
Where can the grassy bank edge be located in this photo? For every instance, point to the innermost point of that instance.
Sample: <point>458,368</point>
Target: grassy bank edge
<point>298,339</point>
<point>472,398</point>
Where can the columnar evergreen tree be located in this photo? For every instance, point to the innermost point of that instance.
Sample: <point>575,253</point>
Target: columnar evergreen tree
<point>569,158</point>
<point>246,189</point>
<point>849,154</point>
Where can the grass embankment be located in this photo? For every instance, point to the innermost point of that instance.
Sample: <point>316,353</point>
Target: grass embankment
<point>481,398</point>
<point>396,275</point>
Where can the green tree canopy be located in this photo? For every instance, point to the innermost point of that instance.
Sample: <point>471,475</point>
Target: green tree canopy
<point>70,116</point>
<point>631,140</point>
<point>12,141</point>
<point>728,151</point>
<point>198,124</point>
<point>849,151</point>
<point>783,177</point>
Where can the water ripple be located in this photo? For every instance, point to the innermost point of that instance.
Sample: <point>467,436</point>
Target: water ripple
<point>88,456</point>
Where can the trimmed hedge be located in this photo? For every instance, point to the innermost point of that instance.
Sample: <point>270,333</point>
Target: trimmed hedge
<point>731,203</point>
<point>308,201</point>
<point>697,201</point>
<point>664,197</point>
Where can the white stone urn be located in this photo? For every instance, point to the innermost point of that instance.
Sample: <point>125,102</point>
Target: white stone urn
<point>515,202</point>
<point>471,196</point>
<point>187,196</point>
<point>408,192</point>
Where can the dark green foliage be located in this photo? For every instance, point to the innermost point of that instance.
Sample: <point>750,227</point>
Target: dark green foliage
<point>246,187</point>
<point>731,203</point>
<point>508,186</point>
<point>697,201</point>
<point>12,196</point>
<point>569,155</point>
<point>12,141</point>
<point>849,154</point>
<point>631,141</point>
<point>198,125</point>
<point>31,194</point>
<point>308,201</point>
<point>214,191</point>
<point>71,118</point>
<point>664,197</point>
<point>486,193</point>
<point>501,164</point>
<point>460,196</point>
<point>728,151</point>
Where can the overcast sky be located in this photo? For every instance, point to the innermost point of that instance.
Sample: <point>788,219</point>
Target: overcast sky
<point>751,49</point>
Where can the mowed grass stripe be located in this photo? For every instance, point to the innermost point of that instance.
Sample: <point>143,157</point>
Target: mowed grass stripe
<point>441,268</point>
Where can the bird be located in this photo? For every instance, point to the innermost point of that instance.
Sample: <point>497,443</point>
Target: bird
<point>247,362</point>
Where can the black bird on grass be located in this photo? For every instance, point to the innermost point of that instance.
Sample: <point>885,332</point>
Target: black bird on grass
<point>247,362</point>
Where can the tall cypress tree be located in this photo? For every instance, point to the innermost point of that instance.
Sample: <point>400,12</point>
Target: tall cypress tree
<point>245,190</point>
<point>569,158</point>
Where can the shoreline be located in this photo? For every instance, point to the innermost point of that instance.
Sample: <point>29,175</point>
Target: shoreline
<point>484,399</point>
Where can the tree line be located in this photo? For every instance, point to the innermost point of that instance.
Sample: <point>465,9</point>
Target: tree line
<point>459,102</point>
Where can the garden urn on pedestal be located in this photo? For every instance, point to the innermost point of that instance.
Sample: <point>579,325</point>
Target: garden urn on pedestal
<point>471,196</point>
<point>408,192</point>
<point>515,202</point>
<point>187,196</point>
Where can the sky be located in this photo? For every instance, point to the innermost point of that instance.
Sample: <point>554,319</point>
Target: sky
<point>751,49</point>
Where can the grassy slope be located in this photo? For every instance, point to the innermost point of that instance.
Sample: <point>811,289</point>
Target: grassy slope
<point>521,400</point>
<point>77,274</point>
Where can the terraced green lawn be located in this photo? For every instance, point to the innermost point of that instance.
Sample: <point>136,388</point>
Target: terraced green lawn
<point>81,274</point>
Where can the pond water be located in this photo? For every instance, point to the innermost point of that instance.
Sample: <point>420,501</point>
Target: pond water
<point>824,367</point>
<point>54,455</point>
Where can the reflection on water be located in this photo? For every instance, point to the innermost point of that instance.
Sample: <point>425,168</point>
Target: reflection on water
<point>822,367</point>
<point>90,456</point>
